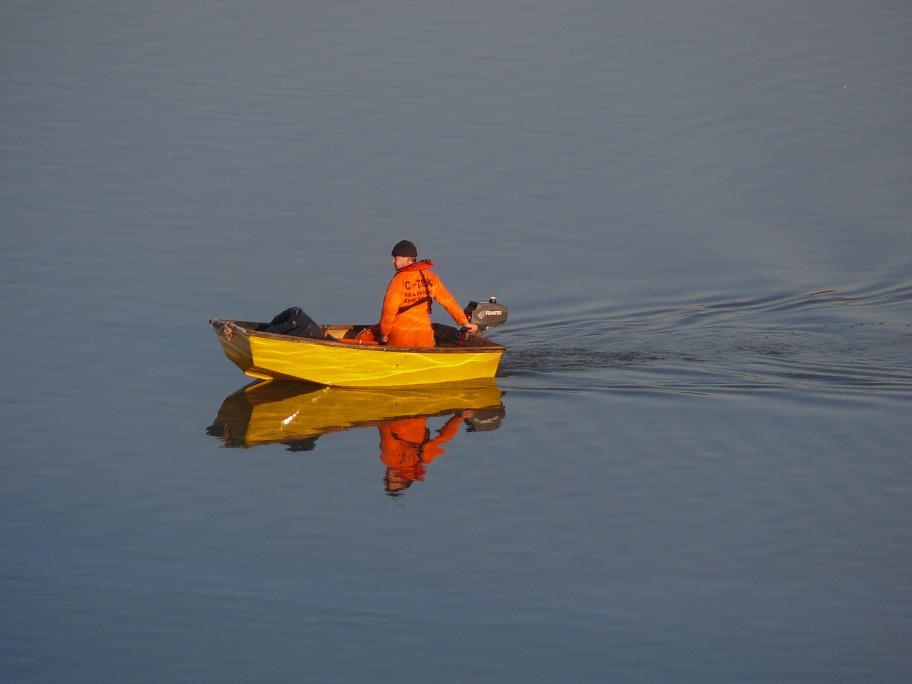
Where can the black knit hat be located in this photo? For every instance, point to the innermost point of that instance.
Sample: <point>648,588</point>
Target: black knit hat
<point>404,248</point>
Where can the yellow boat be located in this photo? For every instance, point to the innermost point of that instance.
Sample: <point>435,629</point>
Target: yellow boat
<point>330,362</point>
<point>296,414</point>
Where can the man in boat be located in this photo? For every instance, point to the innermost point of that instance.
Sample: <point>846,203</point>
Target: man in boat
<point>406,317</point>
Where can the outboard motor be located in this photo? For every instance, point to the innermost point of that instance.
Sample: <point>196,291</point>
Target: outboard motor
<point>487,314</point>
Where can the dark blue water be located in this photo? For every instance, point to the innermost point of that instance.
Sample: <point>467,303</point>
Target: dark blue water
<point>697,467</point>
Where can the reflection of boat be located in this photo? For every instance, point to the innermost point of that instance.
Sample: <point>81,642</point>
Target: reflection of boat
<point>341,364</point>
<point>296,414</point>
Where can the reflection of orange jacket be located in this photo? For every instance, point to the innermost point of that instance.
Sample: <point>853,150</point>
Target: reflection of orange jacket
<point>405,445</point>
<point>406,306</point>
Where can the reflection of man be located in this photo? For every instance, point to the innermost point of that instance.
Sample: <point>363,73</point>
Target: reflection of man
<point>406,447</point>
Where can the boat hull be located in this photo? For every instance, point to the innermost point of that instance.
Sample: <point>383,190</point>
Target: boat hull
<point>337,364</point>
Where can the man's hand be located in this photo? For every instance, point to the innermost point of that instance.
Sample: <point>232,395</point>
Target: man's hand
<point>471,327</point>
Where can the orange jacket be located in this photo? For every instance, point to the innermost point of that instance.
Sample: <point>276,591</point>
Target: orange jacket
<point>405,319</point>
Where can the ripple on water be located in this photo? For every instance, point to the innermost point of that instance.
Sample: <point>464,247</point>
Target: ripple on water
<point>830,341</point>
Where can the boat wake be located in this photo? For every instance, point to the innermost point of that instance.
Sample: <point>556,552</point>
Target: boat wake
<point>831,341</point>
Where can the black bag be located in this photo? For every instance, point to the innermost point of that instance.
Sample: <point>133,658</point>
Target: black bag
<point>296,323</point>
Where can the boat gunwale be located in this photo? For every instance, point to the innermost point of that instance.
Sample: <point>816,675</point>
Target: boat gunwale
<point>490,348</point>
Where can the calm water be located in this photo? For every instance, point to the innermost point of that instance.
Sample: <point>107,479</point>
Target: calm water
<point>694,465</point>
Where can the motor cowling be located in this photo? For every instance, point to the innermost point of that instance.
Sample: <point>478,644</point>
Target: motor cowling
<point>487,314</point>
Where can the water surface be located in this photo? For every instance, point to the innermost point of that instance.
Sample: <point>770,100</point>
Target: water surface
<point>696,464</point>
